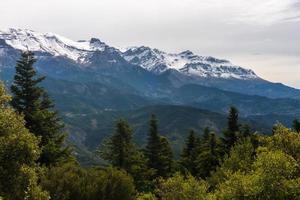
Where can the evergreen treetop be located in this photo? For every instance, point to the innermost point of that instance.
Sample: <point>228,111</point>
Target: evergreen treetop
<point>158,151</point>
<point>33,102</point>
<point>154,145</point>
<point>231,134</point>
<point>118,149</point>
<point>26,91</point>
<point>233,117</point>
<point>209,156</point>
<point>189,153</point>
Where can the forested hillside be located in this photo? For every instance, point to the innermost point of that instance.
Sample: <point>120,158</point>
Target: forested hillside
<point>226,160</point>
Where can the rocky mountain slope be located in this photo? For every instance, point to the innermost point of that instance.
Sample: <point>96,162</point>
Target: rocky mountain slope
<point>187,63</point>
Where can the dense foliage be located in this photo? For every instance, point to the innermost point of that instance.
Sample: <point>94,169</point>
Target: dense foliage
<point>72,182</point>
<point>253,166</point>
<point>19,152</point>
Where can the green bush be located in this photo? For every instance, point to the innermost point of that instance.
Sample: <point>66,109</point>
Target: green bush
<point>72,182</point>
<point>181,188</point>
<point>19,152</point>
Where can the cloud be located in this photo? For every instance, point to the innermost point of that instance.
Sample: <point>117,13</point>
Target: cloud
<point>292,19</point>
<point>259,12</point>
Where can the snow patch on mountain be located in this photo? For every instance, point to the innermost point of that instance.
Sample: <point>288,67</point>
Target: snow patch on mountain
<point>56,45</point>
<point>186,62</point>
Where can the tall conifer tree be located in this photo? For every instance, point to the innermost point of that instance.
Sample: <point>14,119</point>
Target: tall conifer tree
<point>121,152</point>
<point>153,146</point>
<point>26,91</point>
<point>189,153</point>
<point>232,132</point>
<point>158,151</point>
<point>166,157</point>
<point>233,124</point>
<point>118,149</point>
<point>210,154</point>
<point>30,99</point>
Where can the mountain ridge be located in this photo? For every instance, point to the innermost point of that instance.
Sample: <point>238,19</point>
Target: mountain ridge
<point>187,63</point>
<point>152,74</point>
<point>81,52</point>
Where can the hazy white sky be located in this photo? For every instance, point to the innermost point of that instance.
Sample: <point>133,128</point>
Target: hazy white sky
<point>262,35</point>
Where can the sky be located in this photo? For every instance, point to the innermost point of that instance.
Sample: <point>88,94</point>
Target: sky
<point>261,35</point>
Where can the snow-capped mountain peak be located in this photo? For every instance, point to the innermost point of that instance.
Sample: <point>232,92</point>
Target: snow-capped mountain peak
<point>187,63</point>
<point>56,45</point>
<point>153,60</point>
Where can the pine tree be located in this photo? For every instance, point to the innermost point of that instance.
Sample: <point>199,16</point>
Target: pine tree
<point>158,151</point>
<point>52,135</point>
<point>120,152</point>
<point>118,149</point>
<point>232,132</point>
<point>233,125</point>
<point>27,93</point>
<point>166,157</point>
<point>296,125</point>
<point>153,146</point>
<point>209,156</point>
<point>189,153</point>
<point>40,118</point>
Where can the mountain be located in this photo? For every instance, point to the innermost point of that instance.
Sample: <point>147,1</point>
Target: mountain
<point>53,44</point>
<point>93,84</point>
<point>83,61</point>
<point>150,72</point>
<point>187,63</point>
<point>96,76</point>
<point>187,68</point>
